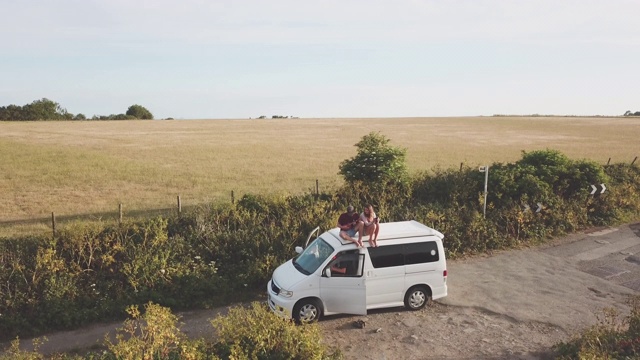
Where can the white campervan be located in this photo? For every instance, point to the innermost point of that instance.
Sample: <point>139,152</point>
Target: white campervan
<point>332,275</point>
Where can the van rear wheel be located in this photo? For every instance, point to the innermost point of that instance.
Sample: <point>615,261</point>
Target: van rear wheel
<point>307,311</point>
<point>416,298</point>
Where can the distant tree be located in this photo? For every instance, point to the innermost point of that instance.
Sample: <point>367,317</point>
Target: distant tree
<point>11,112</point>
<point>139,112</point>
<point>43,109</point>
<point>376,162</point>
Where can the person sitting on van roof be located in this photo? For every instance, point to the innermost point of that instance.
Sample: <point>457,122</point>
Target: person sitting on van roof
<point>369,225</point>
<point>348,224</point>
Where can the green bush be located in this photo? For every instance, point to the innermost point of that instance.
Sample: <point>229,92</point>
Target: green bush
<point>244,333</point>
<point>139,112</point>
<point>257,333</point>
<point>152,335</point>
<point>376,162</point>
<point>614,337</point>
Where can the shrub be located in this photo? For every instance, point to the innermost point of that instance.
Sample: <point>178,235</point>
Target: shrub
<point>152,335</point>
<point>614,337</point>
<point>376,163</point>
<point>139,112</point>
<point>257,333</point>
<point>15,353</point>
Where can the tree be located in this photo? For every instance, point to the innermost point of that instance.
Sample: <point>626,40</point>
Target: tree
<point>139,112</point>
<point>376,162</point>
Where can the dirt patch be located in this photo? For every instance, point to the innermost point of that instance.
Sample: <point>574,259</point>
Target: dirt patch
<point>441,332</point>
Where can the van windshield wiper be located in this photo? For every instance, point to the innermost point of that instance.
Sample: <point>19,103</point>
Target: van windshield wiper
<point>299,267</point>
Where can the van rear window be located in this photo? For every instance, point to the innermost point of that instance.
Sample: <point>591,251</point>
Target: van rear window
<point>404,254</point>
<point>422,252</point>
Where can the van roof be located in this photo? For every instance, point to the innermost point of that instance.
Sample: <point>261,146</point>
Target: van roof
<point>395,230</point>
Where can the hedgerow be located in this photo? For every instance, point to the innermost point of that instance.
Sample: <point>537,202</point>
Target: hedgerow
<point>222,253</point>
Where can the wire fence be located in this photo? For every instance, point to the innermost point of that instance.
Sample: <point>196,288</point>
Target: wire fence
<point>122,212</point>
<point>118,214</point>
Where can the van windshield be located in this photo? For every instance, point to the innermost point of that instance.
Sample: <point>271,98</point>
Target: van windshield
<point>313,256</point>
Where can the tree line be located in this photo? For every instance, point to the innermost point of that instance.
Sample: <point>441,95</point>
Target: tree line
<point>629,113</point>
<point>45,109</point>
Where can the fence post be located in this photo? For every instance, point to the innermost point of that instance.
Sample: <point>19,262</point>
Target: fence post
<point>485,170</point>
<point>317,190</point>
<point>179,206</point>
<point>634,160</point>
<point>609,161</point>
<point>53,223</point>
<point>461,166</point>
<point>233,199</point>
<point>119,213</point>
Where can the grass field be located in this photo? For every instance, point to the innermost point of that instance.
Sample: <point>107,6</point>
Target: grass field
<point>83,168</point>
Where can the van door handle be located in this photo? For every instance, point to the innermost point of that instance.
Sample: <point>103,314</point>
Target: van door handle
<point>368,273</point>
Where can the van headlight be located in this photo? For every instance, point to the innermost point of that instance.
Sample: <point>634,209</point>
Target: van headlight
<point>285,293</point>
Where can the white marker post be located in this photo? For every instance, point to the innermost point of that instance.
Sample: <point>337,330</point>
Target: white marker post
<point>485,170</point>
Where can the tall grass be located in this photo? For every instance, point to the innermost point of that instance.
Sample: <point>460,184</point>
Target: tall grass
<point>75,168</point>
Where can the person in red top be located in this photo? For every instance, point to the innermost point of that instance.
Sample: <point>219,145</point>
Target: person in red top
<point>348,224</point>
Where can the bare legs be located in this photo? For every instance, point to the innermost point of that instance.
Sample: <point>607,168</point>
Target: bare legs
<point>349,238</point>
<point>360,229</point>
<point>376,229</point>
<point>371,230</point>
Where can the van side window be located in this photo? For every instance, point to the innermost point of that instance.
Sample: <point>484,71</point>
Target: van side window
<point>422,252</point>
<point>348,263</point>
<point>386,256</point>
<point>407,254</point>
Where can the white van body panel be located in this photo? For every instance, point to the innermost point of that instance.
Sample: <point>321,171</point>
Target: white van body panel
<point>374,287</point>
<point>343,295</point>
<point>385,287</point>
<point>288,276</point>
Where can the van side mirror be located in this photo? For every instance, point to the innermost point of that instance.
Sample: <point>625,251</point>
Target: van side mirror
<point>298,249</point>
<point>327,272</point>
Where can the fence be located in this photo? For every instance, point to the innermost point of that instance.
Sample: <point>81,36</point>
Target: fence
<point>145,212</point>
<point>53,222</point>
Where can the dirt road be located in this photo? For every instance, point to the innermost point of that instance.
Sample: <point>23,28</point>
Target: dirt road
<point>511,305</point>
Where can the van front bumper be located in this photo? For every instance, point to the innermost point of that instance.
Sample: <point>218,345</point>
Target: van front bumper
<point>279,305</point>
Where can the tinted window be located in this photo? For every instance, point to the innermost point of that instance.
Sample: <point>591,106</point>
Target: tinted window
<point>398,255</point>
<point>422,252</point>
<point>349,263</point>
<point>386,256</point>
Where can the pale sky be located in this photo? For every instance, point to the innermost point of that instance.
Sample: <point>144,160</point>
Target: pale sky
<point>324,58</point>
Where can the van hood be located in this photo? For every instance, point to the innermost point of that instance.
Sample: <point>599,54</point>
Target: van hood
<point>287,276</point>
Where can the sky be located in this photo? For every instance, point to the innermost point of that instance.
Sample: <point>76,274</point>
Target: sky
<point>216,59</point>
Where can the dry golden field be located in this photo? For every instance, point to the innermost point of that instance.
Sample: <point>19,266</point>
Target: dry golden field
<point>79,168</point>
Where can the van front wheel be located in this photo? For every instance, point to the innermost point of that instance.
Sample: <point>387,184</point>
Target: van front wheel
<point>307,311</point>
<point>416,298</point>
